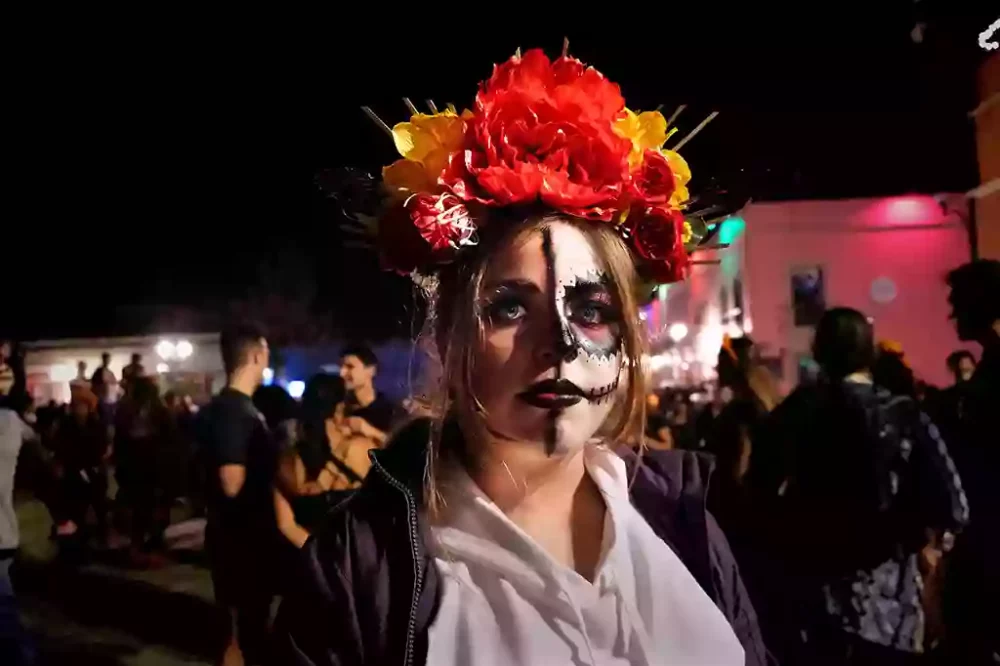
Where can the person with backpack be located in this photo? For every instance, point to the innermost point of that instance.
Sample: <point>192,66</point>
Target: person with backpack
<point>868,502</point>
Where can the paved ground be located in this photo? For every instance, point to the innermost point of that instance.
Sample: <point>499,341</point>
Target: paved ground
<point>104,613</point>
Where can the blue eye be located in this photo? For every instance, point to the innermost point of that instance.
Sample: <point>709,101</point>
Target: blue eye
<point>505,311</point>
<point>593,313</point>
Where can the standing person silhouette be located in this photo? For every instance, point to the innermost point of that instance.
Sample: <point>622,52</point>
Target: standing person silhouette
<point>241,538</point>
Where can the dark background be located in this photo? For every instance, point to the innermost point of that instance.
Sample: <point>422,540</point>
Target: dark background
<point>172,165</point>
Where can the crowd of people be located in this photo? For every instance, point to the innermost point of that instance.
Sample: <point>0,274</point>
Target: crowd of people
<point>861,506</point>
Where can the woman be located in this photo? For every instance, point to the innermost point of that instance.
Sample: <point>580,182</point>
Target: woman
<point>310,478</point>
<point>81,451</point>
<point>145,437</point>
<point>506,530</point>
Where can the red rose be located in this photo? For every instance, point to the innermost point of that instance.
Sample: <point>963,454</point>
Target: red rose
<point>653,184</point>
<point>425,230</point>
<point>543,131</point>
<point>656,235</point>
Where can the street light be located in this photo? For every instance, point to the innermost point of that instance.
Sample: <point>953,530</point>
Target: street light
<point>184,349</point>
<point>165,349</point>
<point>678,331</point>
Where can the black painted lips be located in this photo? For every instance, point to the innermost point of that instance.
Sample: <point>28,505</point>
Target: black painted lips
<point>552,394</point>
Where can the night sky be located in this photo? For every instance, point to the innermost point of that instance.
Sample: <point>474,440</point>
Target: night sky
<point>160,170</point>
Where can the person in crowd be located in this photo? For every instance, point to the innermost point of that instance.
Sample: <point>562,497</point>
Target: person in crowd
<point>657,435</point>
<point>132,371</point>
<point>240,457</point>
<point>891,370</point>
<point>145,441</point>
<point>14,433</point>
<point>311,478</point>
<point>719,397</point>
<point>508,529</point>
<point>365,412</point>
<point>962,365</point>
<point>81,449</point>
<point>682,426</point>
<point>103,382</point>
<point>81,381</point>
<point>738,434</point>
<point>867,503</point>
<point>976,312</point>
<point>7,377</point>
<point>280,411</point>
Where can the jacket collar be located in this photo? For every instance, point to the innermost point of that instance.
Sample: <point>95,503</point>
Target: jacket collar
<point>677,477</point>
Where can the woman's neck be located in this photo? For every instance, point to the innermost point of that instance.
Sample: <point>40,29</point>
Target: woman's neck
<point>518,476</point>
<point>550,498</point>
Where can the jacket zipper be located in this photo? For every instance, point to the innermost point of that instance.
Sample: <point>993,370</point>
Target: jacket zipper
<point>418,572</point>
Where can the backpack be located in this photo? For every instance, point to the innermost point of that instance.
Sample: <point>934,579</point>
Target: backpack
<point>848,501</point>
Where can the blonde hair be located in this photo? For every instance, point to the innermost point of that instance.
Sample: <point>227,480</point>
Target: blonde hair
<point>455,325</point>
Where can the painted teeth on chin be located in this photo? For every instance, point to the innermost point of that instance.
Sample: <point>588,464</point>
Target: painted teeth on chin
<point>603,393</point>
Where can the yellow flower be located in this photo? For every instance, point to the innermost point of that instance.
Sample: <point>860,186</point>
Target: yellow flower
<point>682,176</point>
<point>646,131</point>
<point>425,142</point>
<point>687,234</point>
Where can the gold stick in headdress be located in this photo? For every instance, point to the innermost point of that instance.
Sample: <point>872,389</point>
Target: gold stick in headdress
<point>452,108</point>
<point>695,131</point>
<point>432,105</point>
<point>677,112</point>
<point>410,106</point>
<point>378,121</point>
<point>711,246</point>
<point>565,47</point>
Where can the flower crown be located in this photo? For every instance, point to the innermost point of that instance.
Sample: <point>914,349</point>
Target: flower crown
<point>551,134</point>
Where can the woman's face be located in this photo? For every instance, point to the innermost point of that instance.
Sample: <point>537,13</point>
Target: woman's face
<point>548,368</point>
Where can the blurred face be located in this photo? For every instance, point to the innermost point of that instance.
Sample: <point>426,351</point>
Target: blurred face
<point>355,373</point>
<point>548,367</point>
<point>260,359</point>
<point>966,368</point>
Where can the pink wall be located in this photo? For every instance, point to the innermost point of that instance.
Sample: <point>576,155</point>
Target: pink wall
<point>909,240</point>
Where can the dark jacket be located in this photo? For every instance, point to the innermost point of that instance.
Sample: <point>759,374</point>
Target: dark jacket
<point>369,589</point>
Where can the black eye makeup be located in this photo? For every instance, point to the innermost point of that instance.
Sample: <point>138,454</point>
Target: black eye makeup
<point>589,305</point>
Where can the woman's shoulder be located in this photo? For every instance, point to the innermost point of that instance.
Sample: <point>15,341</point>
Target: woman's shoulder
<point>672,473</point>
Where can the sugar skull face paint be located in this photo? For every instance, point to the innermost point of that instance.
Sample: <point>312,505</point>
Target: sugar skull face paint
<point>549,365</point>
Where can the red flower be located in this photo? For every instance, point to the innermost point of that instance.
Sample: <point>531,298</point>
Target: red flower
<point>543,131</point>
<point>426,229</point>
<point>656,235</point>
<point>653,185</point>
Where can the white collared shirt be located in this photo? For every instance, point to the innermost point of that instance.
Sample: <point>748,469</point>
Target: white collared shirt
<point>505,601</point>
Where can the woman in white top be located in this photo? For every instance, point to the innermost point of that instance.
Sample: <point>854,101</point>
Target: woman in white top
<point>513,526</point>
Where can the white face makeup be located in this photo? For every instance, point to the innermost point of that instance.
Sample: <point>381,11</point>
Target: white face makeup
<point>548,368</point>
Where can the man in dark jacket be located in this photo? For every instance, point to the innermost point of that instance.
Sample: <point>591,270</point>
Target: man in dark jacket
<point>865,478</point>
<point>975,301</point>
<point>369,589</point>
